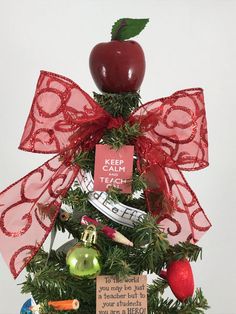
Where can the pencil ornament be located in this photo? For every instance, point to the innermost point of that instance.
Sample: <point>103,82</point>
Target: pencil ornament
<point>108,231</point>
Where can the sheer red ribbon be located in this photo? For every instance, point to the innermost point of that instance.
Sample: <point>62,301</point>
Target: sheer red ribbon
<point>64,120</point>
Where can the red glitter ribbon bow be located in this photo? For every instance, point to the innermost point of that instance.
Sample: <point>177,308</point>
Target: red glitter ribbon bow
<point>65,120</point>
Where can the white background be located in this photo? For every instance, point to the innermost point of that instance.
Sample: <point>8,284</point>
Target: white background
<point>187,44</point>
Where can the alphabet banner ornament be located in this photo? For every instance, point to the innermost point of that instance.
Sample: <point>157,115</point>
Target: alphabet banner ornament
<point>118,212</point>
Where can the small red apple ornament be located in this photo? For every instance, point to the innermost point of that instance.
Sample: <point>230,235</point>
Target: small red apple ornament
<point>118,66</point>
<point>180,279</point>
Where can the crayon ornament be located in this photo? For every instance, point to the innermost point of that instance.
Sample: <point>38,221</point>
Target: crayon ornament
<point>65,305</point>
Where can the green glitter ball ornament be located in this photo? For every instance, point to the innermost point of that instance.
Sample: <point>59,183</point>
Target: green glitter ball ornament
<point>83,258</point>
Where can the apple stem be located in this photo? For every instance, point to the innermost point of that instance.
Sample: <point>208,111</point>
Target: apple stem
<point>122,25</point>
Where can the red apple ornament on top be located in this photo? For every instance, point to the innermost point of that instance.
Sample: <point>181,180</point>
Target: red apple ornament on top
<point>179,276</point>
<point>118,66</point>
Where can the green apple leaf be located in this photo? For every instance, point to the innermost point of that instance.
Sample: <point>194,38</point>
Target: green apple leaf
<point>126,28</point>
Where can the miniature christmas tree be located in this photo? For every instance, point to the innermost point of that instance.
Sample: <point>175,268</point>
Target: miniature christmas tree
<point>142,216</point>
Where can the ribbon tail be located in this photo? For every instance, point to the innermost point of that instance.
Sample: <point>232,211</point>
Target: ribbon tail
<point>170,198</point>
<point>28,209</point>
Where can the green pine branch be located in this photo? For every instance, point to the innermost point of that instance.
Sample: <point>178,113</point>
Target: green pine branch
<point>118,105</point>
<point>75,197</point>
<point>85,160</point>
<point>185,250</point>
<point>157,304</point>
<point>118,264</point>
<point>124,135</point>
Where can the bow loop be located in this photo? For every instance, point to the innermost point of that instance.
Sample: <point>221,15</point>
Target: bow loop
<point>177,124</point>
<point>60,116</point>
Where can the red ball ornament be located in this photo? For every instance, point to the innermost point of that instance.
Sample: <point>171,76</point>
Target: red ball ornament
<point>117,66</point>
<point>180,278</point>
